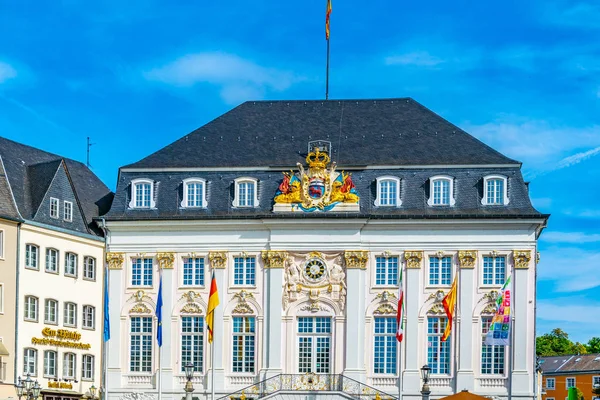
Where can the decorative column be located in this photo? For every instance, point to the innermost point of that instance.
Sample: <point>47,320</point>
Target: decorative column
<point>273,344</point>
<point>116,277</point>
<point>523,333</point>
<point>218,262</point>
<point>166,263</point>
<point>411,377</point>
<point>356,265</point>
<point>465,378</point>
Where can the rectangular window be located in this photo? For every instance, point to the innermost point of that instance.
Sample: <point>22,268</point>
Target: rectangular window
<point>244,271</point>
<point>193,271</point>
<point>87,367</point>
<point>69,365</point>
<point>385,342</point>
<point>142,195</point>
<point>31,308</point>
<point>68,211</point>
<point>388,192</point>
<point>140,349</point>
<point>492,356</point>
<point>438,352</point>
<point>141,272</point>
<point>89,268</point>
<point>314,344</point>
<point>243,344</point>
<point>570,382</point>
<point>550,383</point>
<point>440,270</point>
<point>51,312</point>
<point>50,364</point>
<point>386,271</point>
<point>1,244</point>
<point>70,317</point>
<point>494,270</point>
<point>52,261</point>
<point>53,207</point>
<point>30,362</point>
<point>89,317</point>
<point>31,256</point>
<point>1,298</point>
<point>246,194</point>
<point>595,380</point>
<point>194,194</point>
<point>441,192</point>
<point>495,191</point>
<point>71,264</point>
<point>192,342</point>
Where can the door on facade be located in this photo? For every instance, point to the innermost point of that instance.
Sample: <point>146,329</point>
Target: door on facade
<point>314,345</point>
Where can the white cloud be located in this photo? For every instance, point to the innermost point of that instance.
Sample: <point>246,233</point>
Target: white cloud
<point>418,58</point>
<point>570,269</point>
<point>238,78</point>
<point>570,237</point>
<point>6,72</point>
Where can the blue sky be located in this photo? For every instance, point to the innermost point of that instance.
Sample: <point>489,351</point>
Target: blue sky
<point>523,77</point>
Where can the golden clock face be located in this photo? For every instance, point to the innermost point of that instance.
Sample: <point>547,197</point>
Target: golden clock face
<point>314,269</point>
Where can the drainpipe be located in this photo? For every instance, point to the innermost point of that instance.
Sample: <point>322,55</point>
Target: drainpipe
<point>17,274</point>
<point>103,393</point>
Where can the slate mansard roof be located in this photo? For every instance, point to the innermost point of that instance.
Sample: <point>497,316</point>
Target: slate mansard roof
<point>570,364</point>
<point>29,177</point>
<point>369,138</point>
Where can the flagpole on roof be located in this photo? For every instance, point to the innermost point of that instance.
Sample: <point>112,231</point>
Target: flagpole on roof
<point>327,18</point>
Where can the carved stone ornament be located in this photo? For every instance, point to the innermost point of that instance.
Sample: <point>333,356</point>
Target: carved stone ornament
<point>413,259</point>
<point>190,296</point>
<point>537,257</point>
<point>437,309</point>
<point>242,308</point>
<point>313,306</point>
<point>191,308</point>
<point>115,260</point>
<point>356,259</point>
<point>139,296</point>
<point>218,259</point>
<point>440,253</point>
<point>165,260</point>
<point>492,296</point>
<point>384,309</point>
<point>274,258</point>
<point>140,308</point>
<point>437,296</point>
<point>490,308</point>
<point>386,296</point>
<point>137,396</point>
<point>467,258</point>
<point>494,253</point>
<point>522,258</point>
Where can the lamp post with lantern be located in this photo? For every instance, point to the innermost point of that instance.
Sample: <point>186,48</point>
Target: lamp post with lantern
<point>189,374</point>
<point>425,392</point>
<point>93,391</point>
<point>28,388</point>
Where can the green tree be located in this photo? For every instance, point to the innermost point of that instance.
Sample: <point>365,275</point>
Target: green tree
<point>557,343</point>
<point>593,346</point>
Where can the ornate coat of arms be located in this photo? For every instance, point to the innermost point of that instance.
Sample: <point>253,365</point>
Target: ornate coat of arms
<point>318,189</point>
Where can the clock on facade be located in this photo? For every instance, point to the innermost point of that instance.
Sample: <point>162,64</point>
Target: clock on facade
<point>314,269</point>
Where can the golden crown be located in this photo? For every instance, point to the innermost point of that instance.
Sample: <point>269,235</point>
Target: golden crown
<point>317,159</point>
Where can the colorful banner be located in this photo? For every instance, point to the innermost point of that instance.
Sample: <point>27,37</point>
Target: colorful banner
<point>499,332</point>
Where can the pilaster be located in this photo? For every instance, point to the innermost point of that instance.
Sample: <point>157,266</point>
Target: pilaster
<point>167,349</point>
<point>523,335</point>
<point>219,341</point>
<point>465,377</point>
<point>411,377</point>
<point>115,345</point>
<point>355,318</point>
<point>273,343</point>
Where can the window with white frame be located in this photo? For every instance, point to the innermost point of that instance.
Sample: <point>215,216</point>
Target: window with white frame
<point>244,271</point>
<point>192,342</point>
<point>1,244</point>
<point>194,193</point>
<point>140,345</point>
<point>385,351</point>
<point>595,380</point>
<point>70,314</point>
<point>141,272</point>
<point>440,271</point>
<point>570,382</point>
<point>492,356</point>
<point>31,308</point>
<point>388,192</point>
<point>441,190</point>
<point>89,317</point>
<point>494,190</point>
<point>68,211</point>
<point>51,311</point>
<point>244,351</point>
<point>494,270</point>
<point>89,268</point>
<point>69,365</point>
<point>314,345</point>
<point>1,298</point>
<point>142,193</point>
<point>438,352</point>
<point>31,256</point>
<point>193,271</point>
<point>54,207</point>
<point>386,271</point>
<point>50,364</point>
<point>246,194</point>
<point>550,383</point>
<point>87,367</point>
<point>71,264</point>
<point>30,362</point>
<point>52,261</point>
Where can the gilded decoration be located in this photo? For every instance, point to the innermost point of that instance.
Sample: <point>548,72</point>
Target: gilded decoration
<point>140,308</point>
<point>190,296</point>
<point>321,188</point>
<point>413,259</point>
<point>522,258</point>
<point>139,296</point>
<point>385,308</point>
<point>115,260</point>
<point>386,296</point>
<point>243,307</point>
<point>537,257</point>
<point>165,260</point>
<point>191,308</point>
<point>490,308</point>
<point>218,259</point>
<point>437,309</point>
<point>356,259</point>
<point>467,258</point>
<point>274,258</point>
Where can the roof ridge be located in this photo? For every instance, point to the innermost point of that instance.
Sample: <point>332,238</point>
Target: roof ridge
<point>38,150</point>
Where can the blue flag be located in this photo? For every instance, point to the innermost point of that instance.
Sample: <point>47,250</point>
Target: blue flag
<point>106,316</point>
<point>159,303</point>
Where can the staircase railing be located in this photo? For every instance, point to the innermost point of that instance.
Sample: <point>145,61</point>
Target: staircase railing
<point>309,383</point>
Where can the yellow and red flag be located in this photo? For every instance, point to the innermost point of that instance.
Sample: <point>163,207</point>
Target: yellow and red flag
<point>213,302</point>
<point>449,304</point>
<point>327,18</point>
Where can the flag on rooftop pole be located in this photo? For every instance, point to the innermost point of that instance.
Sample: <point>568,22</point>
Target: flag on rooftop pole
<point>213,302</point>
<point>159,304</point>
<point>327,18</point>
<point>449,303</point>
<point>400,312</point>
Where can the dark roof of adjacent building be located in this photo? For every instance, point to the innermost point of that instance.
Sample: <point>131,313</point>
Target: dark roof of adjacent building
<point>570,364</point>
<point>363,132</point>
<point>29,175</point>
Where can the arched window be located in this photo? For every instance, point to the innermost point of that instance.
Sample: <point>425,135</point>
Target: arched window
<point>142,194</point>
<point>192,342</point>
<point>244,344</point>
<point>87,367</point>
<point>89,317</point>
<point>69,365</point>
<point>32,252</point>
<point>385,346</point>
<point>70,316</point>
<point>89,268</point>
<point>194,193</point>
<point>30,362</point>
<point>314,345</point>
<point>31,308</point>
<point>494,190</point>
<point>388,192</point>
<point>50,364</point>
<point>51,312</point>
<point>441,191</point>
<point>438,351</point>
<point>246,193</point>
<point>140,344</point>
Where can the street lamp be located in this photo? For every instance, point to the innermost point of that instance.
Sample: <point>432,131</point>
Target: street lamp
<point>28,388</point>
<point>189,374</point>
<point>93,391</point>
<point>425,392</point>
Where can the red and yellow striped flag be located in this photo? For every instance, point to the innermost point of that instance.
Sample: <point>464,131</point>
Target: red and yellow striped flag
<point>449,304</point>
<point>213,302</point>
<point>327,18</point>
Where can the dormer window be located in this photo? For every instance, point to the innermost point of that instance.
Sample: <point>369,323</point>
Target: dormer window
<point>142,193</point>
<point>68,211</point>
<point>388,192</point>
<point>53,207</point>
<point>246,194</point>
<point>194,193</point>
<point>494,190</point>
<point>441,191</point>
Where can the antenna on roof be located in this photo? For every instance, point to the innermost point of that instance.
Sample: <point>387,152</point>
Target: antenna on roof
<point>89,144</point>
